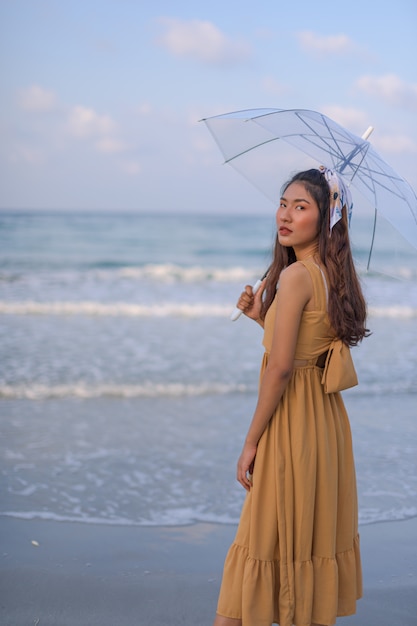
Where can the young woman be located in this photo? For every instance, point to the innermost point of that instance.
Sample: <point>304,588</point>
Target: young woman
<point>295,558</point>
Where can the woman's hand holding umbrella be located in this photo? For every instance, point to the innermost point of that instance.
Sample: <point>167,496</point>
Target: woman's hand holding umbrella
<point>250,301</point>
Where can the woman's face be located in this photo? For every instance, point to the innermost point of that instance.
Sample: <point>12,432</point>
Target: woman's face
<point>297,218</point>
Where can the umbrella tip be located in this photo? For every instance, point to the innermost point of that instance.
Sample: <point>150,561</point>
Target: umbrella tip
<point>367,132</point>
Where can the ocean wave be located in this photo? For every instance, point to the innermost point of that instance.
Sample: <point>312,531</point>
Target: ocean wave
<point>115,309</point>
<point>82,390</point>
<point>147,390</point>
<point>163,309</point>
<point>373,516</point>
<point>187,516</point>
<point>79,519</point>
<point>155,272</point>
<point>377,388</point>
<point>171,273</point>
<point>399,311</point>
<point>389,273</point>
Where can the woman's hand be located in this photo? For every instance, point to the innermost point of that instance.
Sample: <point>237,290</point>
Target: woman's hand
<point>251,304</point>
<point>245,465</point>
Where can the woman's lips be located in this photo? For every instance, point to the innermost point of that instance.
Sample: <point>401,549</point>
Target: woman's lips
<point>284,231</point>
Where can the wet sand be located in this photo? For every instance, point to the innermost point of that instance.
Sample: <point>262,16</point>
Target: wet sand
<point>88,575</point>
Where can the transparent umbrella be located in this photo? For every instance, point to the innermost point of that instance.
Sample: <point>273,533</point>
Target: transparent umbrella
<point>265,144</point>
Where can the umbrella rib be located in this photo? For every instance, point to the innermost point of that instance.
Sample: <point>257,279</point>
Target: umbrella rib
<point>330,130</point>
<point>372,241</point>
<point>311,140</point>
<point>328,144</point>
<point>262,143</point>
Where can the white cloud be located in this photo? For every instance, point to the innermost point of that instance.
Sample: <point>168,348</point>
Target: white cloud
<point>59,124</point>
<point>353,120</point>
<point>202,40</point>
<point>396,144</point>
<point>391,89</point>
<point>37,99</point>
<point>85,122</point>
<point>108,145</point>
<point>330,44</point>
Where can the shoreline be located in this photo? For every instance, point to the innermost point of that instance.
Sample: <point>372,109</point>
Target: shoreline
<point>90,574</point>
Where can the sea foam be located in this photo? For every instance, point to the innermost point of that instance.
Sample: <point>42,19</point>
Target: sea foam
<point>161,309</point>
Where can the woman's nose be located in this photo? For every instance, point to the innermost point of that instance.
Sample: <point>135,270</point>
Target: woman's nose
<point>282,214</point>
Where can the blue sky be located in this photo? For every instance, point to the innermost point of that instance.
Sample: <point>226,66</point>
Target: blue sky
<point>100,100</point>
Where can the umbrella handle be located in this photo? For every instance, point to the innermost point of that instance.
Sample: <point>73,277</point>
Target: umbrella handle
<point>237,312</point>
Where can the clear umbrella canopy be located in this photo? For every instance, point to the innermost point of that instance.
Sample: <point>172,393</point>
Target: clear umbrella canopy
<point>265,145</point>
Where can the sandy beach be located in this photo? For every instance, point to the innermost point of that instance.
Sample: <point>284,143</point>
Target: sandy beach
<point>62,574</point>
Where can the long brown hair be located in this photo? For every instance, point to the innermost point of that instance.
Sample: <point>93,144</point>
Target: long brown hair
<point>346,305</point>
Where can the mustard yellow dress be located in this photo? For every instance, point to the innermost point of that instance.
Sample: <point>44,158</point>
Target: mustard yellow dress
<point>295,558</point>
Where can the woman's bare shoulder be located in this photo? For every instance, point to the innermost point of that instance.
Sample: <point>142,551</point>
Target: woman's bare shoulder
<point>294,273</point>
<point>295,285</point>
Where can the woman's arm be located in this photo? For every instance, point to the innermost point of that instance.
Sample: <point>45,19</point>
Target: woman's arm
<point>295,290</point>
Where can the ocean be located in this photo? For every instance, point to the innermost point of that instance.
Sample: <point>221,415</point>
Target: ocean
<point>126,391</point>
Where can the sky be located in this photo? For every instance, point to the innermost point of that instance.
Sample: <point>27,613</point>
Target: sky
<point>101,99</point>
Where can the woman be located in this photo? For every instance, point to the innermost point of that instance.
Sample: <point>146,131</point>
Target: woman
<point>295,558</point>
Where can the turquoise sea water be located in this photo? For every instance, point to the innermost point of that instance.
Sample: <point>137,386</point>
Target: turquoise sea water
<point>125,390</point>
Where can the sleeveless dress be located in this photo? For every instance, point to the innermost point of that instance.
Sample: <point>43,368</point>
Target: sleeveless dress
<point>295,558</point>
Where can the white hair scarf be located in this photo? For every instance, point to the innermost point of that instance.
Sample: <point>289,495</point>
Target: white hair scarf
<point>339,196</point>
